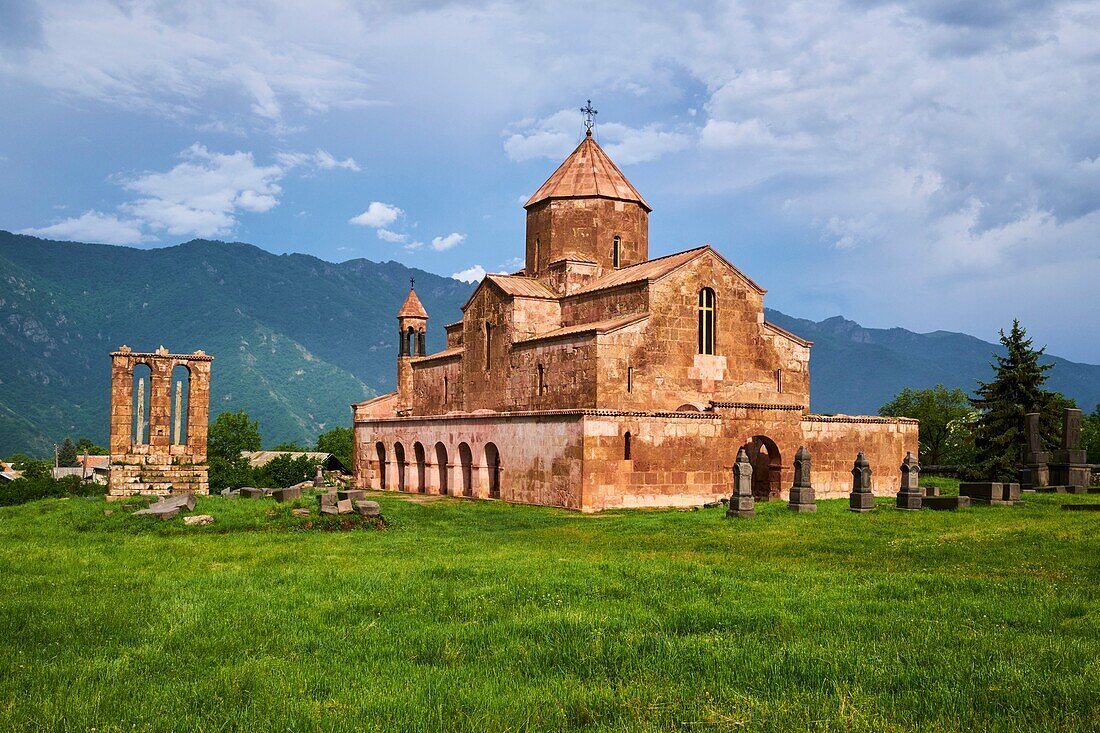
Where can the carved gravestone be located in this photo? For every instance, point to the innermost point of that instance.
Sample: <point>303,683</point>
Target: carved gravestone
<point>319,477</point>
<point>1068,467</point>
<point>909,498</point>
<point>741,502</point>
<point>1035,474</point>
<point>801,497</point>
<point>861,499</point>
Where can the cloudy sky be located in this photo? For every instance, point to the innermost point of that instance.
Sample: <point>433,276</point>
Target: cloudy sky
<point>928,164</point>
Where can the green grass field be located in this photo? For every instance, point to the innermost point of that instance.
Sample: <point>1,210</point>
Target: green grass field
<point>482,616</point>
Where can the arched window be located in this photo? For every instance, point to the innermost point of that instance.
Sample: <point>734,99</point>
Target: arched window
<point>779,380</point>
<point>617,252</point>
<point>626,446</point>
<point>421,343</point>
<point>488,343</point>
<point>706,321</point>
<point>542,381</point>
<point>630,379</point>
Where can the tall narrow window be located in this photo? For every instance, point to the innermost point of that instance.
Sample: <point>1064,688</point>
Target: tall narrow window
<point>626,446</point>
<point>534,260</point>
<point>488,343</point>
<point>617,252</point>
<point>542,381</point>
<point>706,321</point>
<point>446,389</point>
<point>630,379</point>
<point>779,380</point>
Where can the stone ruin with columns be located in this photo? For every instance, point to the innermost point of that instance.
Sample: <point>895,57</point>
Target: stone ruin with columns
<point>160,411</point>
<point>598,378</point>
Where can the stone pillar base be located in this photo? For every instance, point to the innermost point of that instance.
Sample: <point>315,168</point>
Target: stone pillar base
<point>741,506</point>
<point>861,502</point>
<point>801,499</point>
<point>909,501</point>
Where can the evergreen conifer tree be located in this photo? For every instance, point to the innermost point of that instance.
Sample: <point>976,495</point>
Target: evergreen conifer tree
<point>1016,389</point>
<point>66,454</point>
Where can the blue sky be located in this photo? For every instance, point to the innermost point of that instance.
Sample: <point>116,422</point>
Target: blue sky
<point>927,164</point>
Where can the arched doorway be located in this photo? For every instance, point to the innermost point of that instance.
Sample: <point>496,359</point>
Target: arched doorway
<point>492,465</point>
<point>441,466</point>
<point>380,449</point>
<point>399,459</point>
<point>767,467</point>
<point>466,467</point>
<point>180,406</point>
<point>421,468</point>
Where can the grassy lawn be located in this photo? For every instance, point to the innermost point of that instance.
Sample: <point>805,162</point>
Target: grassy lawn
<point>481,616</point>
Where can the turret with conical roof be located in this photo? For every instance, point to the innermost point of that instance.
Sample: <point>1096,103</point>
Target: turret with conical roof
<point>586,214</point>
<point>412,323</point>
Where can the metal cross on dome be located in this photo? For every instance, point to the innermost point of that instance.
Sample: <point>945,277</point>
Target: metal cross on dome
<point>589,117</point>
<point>412,283</point>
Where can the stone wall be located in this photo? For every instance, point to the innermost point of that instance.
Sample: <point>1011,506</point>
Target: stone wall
<point>833,442</point>
<point>585,229</point>
<point>156,465</point>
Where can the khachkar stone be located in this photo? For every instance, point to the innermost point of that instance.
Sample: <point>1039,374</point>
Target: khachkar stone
<point>144,456</point>
<point>910,496</point>
<point>801,498</point>
<point>1035,474</point>
<point>1067,466</point>
<point>741,502</point>
<point>861,499</point>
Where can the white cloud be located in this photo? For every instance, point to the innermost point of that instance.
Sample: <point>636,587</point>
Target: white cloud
<point>472,274</point>
<point>320,159</point>
<point>442,244</point>
<point>378,215</point>
<point>93,226</point>
<point>387,236</point>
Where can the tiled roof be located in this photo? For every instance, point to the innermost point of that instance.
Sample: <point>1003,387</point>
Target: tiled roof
<point>445,354</point>
<point>648,270</point>
<point>412,307</point>
<point>588,173</point>
<point>523,287</point>
<point>784,332</point>
<point>610,324</point>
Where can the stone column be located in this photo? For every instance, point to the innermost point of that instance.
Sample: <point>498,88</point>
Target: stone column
<point>741,501</point>
<point>1035,474</point>
<point>1068,466</point>
<point>198,408</point>
<point>480,476</point>
<point>801,498</point>
<point>431,475</point>
<point>122,407</point>
<point>861,499</point>
<point>160,409</point>
<point>910,496</point>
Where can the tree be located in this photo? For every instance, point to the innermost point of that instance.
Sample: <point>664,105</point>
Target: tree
<point>283,470</point>
<point>85,446</point>
<point>940,411</point>
<point>231,434</point>
<point>1016,389</point>
<point>1090,435</point>
<point>338,442</point>
<point>66,454</point>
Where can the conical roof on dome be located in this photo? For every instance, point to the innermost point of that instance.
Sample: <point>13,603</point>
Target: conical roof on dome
<point>412,307</point>
<point>588,173</point>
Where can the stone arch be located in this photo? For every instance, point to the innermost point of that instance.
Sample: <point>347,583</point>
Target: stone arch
<point>380,454</point>
<point>441,467</point>
<point>492,468</point>
<point>466,468</point>
<point>767,467</point>
<point>421,468</point>
<point>399,459</point>
<point>628,446</point>
<point>142,376</point>
<point>181,403</point>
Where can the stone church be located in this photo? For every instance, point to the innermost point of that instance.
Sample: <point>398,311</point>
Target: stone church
<point>598,378</point>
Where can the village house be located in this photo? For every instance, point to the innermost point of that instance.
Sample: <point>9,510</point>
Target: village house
<point>599,378</point>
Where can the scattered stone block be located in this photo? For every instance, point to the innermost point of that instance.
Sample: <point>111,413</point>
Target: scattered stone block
<point>993,493</point>
<point>198,520</point>
<point>801,496</point>
<point>343,506</point>
<point>288,494</point>
<point>300,512</point>
<point>741,502</point>
<point>712,505</point>
<point>185,502</point>
<point>327,499</point>
<point>931,490</point>
<point>861,499</point>
<point>249,492</point>
<point>353,494</point>
<point>945,503</point>
<point>368,508</point>
<point>909,498</point>
<point>164,513</point>
<point>329,509</point>
<point>1081,507</point>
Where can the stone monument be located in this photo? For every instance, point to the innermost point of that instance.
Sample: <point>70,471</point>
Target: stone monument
<point>861,499</point>
<point>741,502</point>
<point>1035,474</point>
<point>910,496</point>
<point>1067,465</point>
<point>802,493</point>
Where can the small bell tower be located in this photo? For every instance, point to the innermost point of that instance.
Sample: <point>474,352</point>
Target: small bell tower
<point>412,324</point>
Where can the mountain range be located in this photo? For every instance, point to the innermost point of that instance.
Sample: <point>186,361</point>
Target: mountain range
<point>296,339</point>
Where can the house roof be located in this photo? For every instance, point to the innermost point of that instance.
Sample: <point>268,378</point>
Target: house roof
<point>522,287</point>
<point>588,173</point>
<point>259,458</point>
<point>606,326</point>
<point>656,269</point>
<point>412,307</point>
